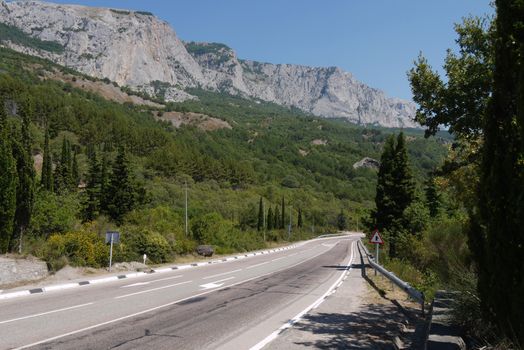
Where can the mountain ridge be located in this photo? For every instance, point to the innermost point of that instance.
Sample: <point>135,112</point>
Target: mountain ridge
<point>137,49</point>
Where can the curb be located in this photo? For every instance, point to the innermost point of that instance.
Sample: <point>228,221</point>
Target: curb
<point>40,290</point>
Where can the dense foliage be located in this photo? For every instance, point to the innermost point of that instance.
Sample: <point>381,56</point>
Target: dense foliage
<point>277,174</point>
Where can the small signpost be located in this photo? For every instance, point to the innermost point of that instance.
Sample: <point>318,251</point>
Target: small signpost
<point>112,237</point>
<point>377,241</point>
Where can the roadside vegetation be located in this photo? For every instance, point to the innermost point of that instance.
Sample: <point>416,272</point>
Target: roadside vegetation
<point>104,166</point>
<point>462,229</point>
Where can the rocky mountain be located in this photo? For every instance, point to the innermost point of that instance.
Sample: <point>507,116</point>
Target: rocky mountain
<point>139,50</point>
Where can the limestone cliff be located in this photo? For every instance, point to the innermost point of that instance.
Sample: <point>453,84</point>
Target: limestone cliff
<point>139,50</point>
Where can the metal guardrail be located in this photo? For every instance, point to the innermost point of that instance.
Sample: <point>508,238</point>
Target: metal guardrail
<point>406,287</point>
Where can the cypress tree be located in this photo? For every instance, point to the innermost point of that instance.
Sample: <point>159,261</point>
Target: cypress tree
<point>8,183</point>
<point>432,197</point>
<point>299,220</point>
<point>63,175</point>
<point>283,213</point>
<point>395,190</point>
<point>342,221</point>
<point>47,166</point>
<point>121,194</point>
<point>75,175</point>
<point>497,232</point>
<point>26,178</point>
<point>260,221</point>
<point>104,184</point>
<point>276,219</point>
<point>93,190</point>
<point>270,219</point>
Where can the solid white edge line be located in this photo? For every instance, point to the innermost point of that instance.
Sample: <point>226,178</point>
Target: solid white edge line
<point>319,301</point>
<point>45,313</point>
<point>163,306</point>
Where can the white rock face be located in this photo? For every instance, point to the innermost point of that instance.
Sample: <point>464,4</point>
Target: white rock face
<point>137,49</point>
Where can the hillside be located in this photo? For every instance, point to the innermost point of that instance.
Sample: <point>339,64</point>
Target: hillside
<point>138,50</point>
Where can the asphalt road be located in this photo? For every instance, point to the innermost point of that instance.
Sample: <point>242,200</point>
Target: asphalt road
<point>234,305</point>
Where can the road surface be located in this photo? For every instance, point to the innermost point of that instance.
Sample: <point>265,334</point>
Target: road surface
<point>233,305</point>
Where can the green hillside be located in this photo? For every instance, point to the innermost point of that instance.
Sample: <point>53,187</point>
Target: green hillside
<point>271,152</point>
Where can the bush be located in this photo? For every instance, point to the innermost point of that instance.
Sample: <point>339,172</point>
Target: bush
<point>139,241</point>
<point>53,213</point>
<point>79,248</point>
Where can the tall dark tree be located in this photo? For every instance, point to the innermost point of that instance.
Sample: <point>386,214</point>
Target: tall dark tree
<point>283,214</point>
<point>26,177</point>
<point>276,219</point>
<point>299,219</point>
<point>104,184</point>
<point>75,174</point>
<point>121,194</point>
<point>395,191</point>
<point>260,220</point>
<point>433,200</point>
<point>497,235</point>
<point>342,221</point>
<point>47,166</point>
<point>63,174</point>
<point>93,190</point>
<point>270,219</point>
<point>8,183</point>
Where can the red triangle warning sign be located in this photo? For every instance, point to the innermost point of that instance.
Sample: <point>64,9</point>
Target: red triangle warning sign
<point>376,239</point>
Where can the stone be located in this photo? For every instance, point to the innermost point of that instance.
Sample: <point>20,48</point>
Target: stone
<point>205,250</point>
<point>367,162</point>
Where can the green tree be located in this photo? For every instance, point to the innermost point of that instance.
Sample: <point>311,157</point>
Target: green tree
<point>26,177</point>
<point>276,219</point>
<point>342,221</point>
<point>8,183</point>
<point>121,194</point>
<point>395,191</point>
<point>433,198</point>
<point>270,219</point>
<point>497,234</point>
<point>46,181</point>
<point>75,174</point>
<point>63,172</point>
<point>283,214</point>
<point>93,190</point>
<point>260,221</point>
<point>104,184</point>
<point>299,219</point>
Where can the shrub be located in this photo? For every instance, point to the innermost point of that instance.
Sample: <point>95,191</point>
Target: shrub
<point>79,248</point>
<point>139,241</point>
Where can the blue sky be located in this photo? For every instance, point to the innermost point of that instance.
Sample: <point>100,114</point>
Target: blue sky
<point>376,40</point>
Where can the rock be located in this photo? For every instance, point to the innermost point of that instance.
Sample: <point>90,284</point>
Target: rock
<point>367,162</point>
<point>142,51</point>
<point>13,271</point>
<point>205,250</point>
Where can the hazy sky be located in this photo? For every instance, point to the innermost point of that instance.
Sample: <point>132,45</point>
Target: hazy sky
<point>376,40</point>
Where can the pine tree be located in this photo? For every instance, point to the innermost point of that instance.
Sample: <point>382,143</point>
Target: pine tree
<point>260,221</point>
<point>47,166</point>
<point>384,214</point>
<point>497,231</point>
<point>26,177</point>
<point>8,183</point>
<point>270,219</point>
<point>283,213</point>
<point>121,194</point>
<point>93,190</point>
<point>299,220</point>
<point>404,192</point>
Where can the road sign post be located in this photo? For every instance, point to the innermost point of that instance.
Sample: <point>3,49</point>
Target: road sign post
<point>112,237</point>
<point>377,241</point>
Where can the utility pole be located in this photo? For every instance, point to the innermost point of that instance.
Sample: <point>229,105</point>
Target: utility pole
<point>186,211</point>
